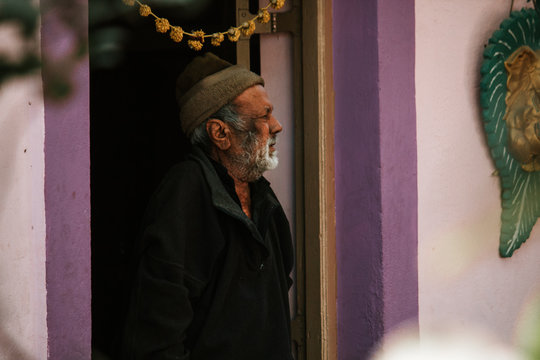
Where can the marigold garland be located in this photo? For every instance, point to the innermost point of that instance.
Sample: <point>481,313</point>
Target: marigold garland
<point>195,45</point>
<point>248,28</point>
<point>277,4</point>
<point>199,34</point>
<point>264,16</point>
<point>162,25</point>
<point>233,34</point>
<point>145,10</point>
<point>197,37</point>
<point>217,39</point>
<point>177,33</point>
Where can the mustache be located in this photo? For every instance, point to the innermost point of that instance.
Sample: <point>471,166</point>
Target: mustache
<point>272,141</point>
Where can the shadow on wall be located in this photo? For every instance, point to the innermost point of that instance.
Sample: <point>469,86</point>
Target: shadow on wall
<point>11,350</point>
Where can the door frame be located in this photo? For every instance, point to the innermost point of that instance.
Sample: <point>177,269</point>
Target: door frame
<point>317,157</point>
<point>315,170</point>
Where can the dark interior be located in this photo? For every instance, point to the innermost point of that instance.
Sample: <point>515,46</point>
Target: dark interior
<point>135,133</point>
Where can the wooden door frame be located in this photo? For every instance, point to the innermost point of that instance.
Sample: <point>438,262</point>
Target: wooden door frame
<point>318,197</point>
<point>315,178</point>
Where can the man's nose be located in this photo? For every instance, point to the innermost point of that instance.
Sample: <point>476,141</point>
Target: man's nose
<point>275,126</point>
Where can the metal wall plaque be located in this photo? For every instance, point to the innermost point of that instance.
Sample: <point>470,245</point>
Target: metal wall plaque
<point>510,98</point>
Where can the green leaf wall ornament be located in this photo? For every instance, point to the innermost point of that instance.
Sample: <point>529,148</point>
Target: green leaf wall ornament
<point>513,134</point>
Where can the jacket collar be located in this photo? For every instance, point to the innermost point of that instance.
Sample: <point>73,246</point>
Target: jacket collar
<point>221,198</point>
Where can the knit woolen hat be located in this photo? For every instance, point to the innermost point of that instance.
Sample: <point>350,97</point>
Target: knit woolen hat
<point>207,84</point>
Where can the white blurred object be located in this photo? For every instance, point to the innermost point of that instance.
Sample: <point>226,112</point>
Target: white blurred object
<point>447,343</point>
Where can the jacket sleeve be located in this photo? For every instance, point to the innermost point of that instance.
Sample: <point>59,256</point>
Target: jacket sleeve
<point>175,260</point>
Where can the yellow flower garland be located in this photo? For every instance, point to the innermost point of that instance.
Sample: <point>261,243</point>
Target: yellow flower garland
<point>217,39</point>
<point>176,33</point>
<point>248,28</point>
<point>197,37</point>
<point>162,25</point>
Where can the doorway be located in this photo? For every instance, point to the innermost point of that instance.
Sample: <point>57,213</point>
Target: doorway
<point>136,138</point>
<point>135,135</point>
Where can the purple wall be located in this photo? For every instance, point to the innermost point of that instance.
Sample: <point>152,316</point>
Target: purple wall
<point>398,161</point>
<point>67,195</point>
<point>375,155</point>
<point>358,184</point>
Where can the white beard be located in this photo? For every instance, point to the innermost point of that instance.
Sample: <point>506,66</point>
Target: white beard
<point>251,165</point>
<point>267,160</point>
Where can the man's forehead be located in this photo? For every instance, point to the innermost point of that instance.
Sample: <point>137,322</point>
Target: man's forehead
<point>253,99</point>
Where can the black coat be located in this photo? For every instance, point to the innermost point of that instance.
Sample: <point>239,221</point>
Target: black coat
<point>210,282</point>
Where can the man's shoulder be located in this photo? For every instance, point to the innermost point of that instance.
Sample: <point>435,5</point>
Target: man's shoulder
<point>185,170</point>
<point>185,177</point>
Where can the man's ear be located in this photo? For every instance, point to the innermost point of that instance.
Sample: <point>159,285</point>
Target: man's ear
<point>219,133</point>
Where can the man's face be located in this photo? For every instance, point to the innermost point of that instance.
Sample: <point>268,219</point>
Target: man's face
<point>254,149</point>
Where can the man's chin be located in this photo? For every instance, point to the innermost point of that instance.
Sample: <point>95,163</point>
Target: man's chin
<point>272,161</point>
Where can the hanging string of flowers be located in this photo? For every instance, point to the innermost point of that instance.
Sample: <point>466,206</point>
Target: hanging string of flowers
<point>197,37</point>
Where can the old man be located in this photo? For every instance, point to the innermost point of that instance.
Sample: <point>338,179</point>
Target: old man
<point>214,259</point>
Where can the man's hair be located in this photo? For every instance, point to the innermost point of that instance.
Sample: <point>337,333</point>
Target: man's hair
<point>228,115</point>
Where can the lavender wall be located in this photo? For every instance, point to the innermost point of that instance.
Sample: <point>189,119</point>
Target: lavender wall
<point>67,195</point>
<point>358,178</point>
<point>398,161</point>
<point>375,155</point>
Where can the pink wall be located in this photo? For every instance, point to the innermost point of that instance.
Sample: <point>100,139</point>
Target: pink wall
<point>279,78</point>
<point>23,327</point>
<point>462,279</point>
<point>279,85</point>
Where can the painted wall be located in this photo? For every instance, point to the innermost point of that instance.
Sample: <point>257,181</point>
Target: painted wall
<point>375,162</point>
<point>23,327</point>
<point>278,84</point>
<point>67,184</point>
<point>45,200</point>
<point>462,279</point>
<point>358,208</point>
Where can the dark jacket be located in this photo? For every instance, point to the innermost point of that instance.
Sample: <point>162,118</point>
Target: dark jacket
<point>210,282</point>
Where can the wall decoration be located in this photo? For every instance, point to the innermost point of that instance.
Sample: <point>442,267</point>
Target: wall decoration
<point>510,98</point>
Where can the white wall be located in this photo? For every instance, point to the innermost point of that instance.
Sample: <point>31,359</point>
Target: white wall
<point>23,328</point>
<point>462,279</point>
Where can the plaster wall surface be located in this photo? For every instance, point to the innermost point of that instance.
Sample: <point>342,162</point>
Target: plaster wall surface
<point>463,282</point>
<point>357,178</point>
<point>23,327</point>
<point>67,191</point>
<point>279,86</point>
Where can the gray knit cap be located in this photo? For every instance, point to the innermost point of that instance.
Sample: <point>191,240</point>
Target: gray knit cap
<point>207,84</point>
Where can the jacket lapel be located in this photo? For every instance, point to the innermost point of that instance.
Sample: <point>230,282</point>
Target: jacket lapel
<point>220,197</point>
